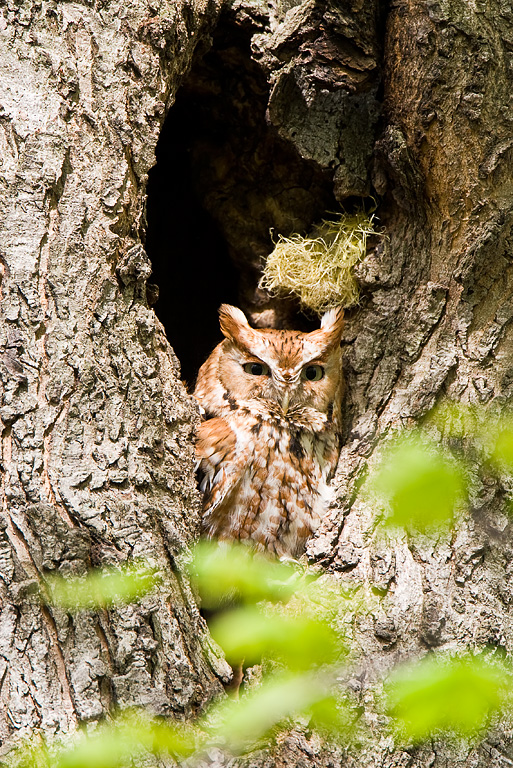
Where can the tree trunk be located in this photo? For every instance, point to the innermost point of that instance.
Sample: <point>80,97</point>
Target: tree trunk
<point>284,113</point>
<point>97,457</point>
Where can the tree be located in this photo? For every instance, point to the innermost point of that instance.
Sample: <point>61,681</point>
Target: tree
<point>97,458</point>
<point>275,116</point>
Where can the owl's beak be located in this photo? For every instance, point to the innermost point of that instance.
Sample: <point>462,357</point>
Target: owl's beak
<point>285,402</point>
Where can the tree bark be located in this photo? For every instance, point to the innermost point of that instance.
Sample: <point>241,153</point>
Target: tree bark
<point>434,325</point>
<point>97,457</point>
<point>408,102</point>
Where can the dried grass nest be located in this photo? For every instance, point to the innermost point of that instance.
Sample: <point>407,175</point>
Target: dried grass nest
<point>318,268</point>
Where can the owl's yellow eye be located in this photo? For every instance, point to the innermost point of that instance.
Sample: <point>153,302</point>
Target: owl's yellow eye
<point>256,369</point>
<point>312,372</point>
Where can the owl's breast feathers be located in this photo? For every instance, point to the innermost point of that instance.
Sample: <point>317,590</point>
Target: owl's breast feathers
<point>270,442</point>
<point>265,479</point>
<point>215,444</point>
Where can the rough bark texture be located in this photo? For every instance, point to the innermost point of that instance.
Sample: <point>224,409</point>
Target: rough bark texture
<point>435,323</point>
<point>97,459</point>
<point>410,102</point>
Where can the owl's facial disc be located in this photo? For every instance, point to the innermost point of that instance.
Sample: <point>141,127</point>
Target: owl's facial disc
<point>298,383</point>
<point>299,387</point>
<point>284,373</point>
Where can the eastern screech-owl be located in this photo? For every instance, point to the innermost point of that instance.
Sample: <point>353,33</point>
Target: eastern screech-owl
<point>270,440</point>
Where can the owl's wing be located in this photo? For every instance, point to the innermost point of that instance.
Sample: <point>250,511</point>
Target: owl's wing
<point>215,446</point>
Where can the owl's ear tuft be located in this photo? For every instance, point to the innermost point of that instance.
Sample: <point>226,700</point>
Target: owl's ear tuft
<point>332,325</point>
<point>233,322</point>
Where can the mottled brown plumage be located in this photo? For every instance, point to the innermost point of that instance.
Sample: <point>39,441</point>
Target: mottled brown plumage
<point>270,440</point>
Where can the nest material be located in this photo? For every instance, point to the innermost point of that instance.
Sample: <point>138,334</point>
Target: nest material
<point>318,268</point>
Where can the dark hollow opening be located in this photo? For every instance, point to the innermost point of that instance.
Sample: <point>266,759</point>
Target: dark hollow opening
<point>223,179</point>
<point>191,265</point>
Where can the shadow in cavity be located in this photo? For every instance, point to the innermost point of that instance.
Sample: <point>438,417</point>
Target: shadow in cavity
<point>189,255</point>
<point>222,181</point>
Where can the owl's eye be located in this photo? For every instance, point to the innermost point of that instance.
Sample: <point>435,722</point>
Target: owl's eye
<point>312,372</point>
<point>256,369</point>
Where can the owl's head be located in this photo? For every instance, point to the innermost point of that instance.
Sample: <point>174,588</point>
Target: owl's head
<point>287,371</point>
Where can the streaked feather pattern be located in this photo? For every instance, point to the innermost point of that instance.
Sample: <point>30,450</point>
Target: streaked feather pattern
<point>270,441</point>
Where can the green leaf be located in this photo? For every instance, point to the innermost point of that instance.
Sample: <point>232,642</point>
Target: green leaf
<point>29,753</point>
<point>333,717</point>
<point>111,745</point>
<point>116,744</point>
<point>245,721</point>
<point>299,641</point>
<point>180,739</point>
<point>458,420</point>
<point>503,447</point>
<point>420,485</point>
<point>100,588</point>
<point>330,599</point>
<point>455,695</point>
<point>109,748</point>
<point>224,570</point>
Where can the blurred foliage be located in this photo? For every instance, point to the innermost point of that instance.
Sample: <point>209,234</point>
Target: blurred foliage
<point>502,452</point>
<point>110,744</point>
<point>455,695</point>
<point>288,617</point>
<point>282,612</point>
<point>419,483</point>
<point>100,588</point>
<point>242,723</point>
<point>226,571</point>
<point>299,642</point>
<point>489,430</point>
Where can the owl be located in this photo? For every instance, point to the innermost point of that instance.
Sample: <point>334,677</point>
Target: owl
<point>270,441</point>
